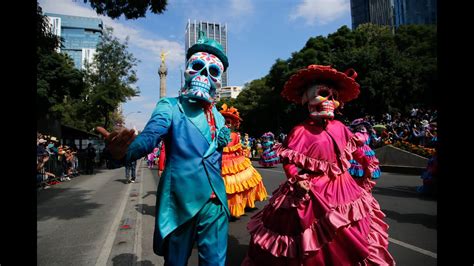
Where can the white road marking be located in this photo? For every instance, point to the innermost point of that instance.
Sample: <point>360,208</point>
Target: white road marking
<point>417,249</point>
<point>137,248</point>
<point>109,241</point>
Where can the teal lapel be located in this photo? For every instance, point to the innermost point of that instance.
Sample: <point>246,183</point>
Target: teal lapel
<point>196,116</point>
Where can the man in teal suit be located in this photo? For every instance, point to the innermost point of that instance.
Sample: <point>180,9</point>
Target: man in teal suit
<point>191,198</point>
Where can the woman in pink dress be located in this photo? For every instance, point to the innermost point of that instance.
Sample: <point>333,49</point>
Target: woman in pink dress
<point>319,216</point>
<point>362,134</point>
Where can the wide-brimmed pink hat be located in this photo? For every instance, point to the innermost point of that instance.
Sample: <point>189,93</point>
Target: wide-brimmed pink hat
<point>344,82</point>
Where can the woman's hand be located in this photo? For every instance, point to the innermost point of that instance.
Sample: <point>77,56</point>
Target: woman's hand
<point>302,188</point>
<point>304,184</point>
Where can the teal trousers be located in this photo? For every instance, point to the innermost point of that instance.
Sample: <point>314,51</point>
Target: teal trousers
<point>209,228</point>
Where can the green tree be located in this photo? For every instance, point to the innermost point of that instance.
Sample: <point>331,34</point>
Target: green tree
<point>131,9</point>
<point>109,79</point>
<point>396,70</point>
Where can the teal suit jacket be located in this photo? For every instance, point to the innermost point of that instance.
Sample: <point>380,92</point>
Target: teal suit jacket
<point>193,162</point>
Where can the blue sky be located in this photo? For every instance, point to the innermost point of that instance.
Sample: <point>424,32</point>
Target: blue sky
<point>259,32</point>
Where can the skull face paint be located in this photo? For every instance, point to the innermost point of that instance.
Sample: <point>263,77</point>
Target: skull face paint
<point>203,76</point>
<point>322,101</point>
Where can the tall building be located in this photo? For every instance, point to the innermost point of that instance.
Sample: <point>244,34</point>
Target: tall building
<point>80,35</point>
<point>379,12</point>
<point>415,12</point>
<point>216,31</point>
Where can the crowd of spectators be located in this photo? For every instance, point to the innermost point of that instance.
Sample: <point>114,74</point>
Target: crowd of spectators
<point>418,127</point>
<point>59,163</point>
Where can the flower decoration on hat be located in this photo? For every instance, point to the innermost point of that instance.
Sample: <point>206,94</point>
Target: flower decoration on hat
<point>231,114</point>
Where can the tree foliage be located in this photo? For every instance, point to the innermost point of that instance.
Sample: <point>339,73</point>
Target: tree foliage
<point>109,79</point>
<point>131,9</point>
<point>396,70</point>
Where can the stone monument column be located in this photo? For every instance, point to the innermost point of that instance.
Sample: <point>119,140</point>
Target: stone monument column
<point>163,72</point>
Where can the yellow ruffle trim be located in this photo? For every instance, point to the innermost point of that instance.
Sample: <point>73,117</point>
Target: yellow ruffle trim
<point>242,181</point>
<point>239,201</point>
<point>234,148</point>
<point>234,167</point>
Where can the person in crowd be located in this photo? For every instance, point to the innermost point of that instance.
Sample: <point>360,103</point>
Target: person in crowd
<point>43,177</point>
<point>75,160</point>
<point>430,177</point>
<point>363,139</point>
<point>191,201</point>
<point>41,147</point>
<point>319,216</point>
<point>247,146</point>
<point>243,184</point>
<point>131,171</point>
<point>90,159</point>
<point>268,158</point>
<point>131,166</point>
<point>151,158</point>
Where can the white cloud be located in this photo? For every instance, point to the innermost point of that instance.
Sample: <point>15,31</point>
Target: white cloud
<point>320,11</point>
<point>240,7</point>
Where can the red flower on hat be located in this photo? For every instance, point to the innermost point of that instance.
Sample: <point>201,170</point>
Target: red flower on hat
<point>231,113</point>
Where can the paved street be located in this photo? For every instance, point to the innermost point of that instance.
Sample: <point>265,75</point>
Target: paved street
<point>100,220</point>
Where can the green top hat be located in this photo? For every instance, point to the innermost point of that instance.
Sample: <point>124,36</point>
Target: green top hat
<point>211,46</point>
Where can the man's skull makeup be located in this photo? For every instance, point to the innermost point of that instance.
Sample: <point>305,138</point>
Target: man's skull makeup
<point>322,101</point>
<point>203,76</point>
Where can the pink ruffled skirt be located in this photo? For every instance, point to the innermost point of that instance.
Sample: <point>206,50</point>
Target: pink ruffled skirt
<point>335,223</point>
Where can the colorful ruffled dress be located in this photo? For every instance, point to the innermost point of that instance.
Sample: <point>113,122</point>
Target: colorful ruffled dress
<point>357,169</point>
<point>269,157</point>
<point>152,157</point>
<point>243,183</point>
<point>429,177</point>
<point>335,223</point>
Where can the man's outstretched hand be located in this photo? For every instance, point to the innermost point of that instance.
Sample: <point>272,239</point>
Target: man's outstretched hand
<point>117,142</point>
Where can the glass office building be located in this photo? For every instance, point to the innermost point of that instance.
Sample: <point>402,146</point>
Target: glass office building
<point>379,12</point>
<point>415,12</point>
<point>80,35</point>
<point>359,12</point>
<point>393,12</point>
<point>216,31</point>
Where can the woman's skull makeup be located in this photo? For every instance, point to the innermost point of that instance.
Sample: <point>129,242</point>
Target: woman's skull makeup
<point>203,76</point>
<point>361,128</point>
<point>322,101</point>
